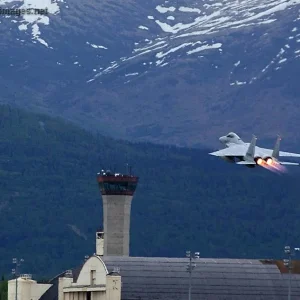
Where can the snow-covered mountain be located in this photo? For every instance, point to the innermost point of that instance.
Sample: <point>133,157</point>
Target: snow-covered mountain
<point>196,29</point>
<point>180,72</point>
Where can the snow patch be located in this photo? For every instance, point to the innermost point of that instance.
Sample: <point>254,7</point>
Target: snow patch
<point>22,27</point>
<point>238,82</point>
<point>96,46</point>
<point>163,10</point>
<point>205,47</point>
<point>282,60</point>
<point>36,33</point>
<point>143,27</point>
<point>149,47</point>
<point>131,74</point>
<point>33,20</point>
<point>188,9</point>
<point>164,64</point>
<point>159,62</point>
<point>161,54</point>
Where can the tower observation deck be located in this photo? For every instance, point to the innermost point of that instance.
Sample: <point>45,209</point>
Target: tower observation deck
<point>117,191</point>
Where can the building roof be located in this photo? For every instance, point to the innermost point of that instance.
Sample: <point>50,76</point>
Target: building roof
<point>161,278</point>
<point>145,278</point>
<point>52,292</point>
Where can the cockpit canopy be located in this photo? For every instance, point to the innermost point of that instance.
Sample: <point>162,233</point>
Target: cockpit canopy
<point>232,135</point>
<point>230,138</point>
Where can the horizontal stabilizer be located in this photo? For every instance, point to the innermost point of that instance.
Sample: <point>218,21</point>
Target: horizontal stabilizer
<point>246,163</point>
<point>288,163</point>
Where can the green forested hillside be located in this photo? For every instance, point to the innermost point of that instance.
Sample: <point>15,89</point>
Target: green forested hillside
<point>3,289</point>
<point>50,205</point>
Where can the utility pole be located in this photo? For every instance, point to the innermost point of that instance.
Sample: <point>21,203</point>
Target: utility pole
<point>16,272</point>
<point>289,264</point>
<point>190,267</point>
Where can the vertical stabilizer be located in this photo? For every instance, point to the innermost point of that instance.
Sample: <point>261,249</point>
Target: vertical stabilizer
<point>275,153</point>
<point>251,149</point>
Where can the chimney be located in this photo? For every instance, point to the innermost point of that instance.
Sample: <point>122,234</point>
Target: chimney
<point>99,243</point>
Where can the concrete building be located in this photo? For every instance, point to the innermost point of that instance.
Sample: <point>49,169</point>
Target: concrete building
<point>28,289</point>
<point>160,278</point>
<point>91,281</point>
<point>117,191</point>
<point>111,274</point>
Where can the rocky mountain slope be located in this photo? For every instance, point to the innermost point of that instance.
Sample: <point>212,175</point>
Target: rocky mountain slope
<point>180,72</point>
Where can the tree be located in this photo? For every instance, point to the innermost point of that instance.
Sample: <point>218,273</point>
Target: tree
<point>3,288</point>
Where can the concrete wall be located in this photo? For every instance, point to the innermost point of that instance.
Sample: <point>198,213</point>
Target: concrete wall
<point>116,219</point>
<point>93,279</point>
<point>113,288</point>
<point>62,283</point>
<point>94,263</point>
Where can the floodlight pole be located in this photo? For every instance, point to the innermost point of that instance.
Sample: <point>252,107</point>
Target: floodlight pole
<point>289,264</point>
<point>15,271</point>
<point>190,267</point>
<point>190,277</point>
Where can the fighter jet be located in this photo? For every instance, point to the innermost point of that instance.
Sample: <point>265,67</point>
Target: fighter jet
<point>250,155</point>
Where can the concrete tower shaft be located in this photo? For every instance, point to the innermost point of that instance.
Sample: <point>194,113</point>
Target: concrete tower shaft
<point>117,192</point>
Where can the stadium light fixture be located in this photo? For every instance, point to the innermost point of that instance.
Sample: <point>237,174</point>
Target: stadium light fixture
<point>289,264</point>
<point>16,272</point>
<point>190,267</point>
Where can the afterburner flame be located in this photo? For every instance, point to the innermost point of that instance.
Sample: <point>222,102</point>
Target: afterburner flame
<point>259,161</point>
<point>274,167</point>
<point>269,161</point>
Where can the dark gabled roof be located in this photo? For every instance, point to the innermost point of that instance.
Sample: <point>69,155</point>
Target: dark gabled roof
<point>150,278</point>
<point>52,292</point>
<point>76,272</point>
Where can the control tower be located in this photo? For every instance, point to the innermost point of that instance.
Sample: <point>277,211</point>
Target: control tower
<point>117,191</point>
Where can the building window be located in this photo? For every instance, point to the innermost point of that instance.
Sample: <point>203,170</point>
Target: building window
<point>117,186</point>
<point>93,277</point>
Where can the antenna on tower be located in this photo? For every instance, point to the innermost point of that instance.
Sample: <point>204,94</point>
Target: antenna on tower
<point>116,270</point>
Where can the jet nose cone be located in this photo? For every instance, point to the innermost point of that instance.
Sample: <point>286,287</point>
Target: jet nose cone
<point>222,139</point>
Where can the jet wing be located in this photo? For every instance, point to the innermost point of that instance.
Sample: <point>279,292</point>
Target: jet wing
<point>281,153</point>
<point>288,163</point>
<point>238,150</point>
<point>268,152</point>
